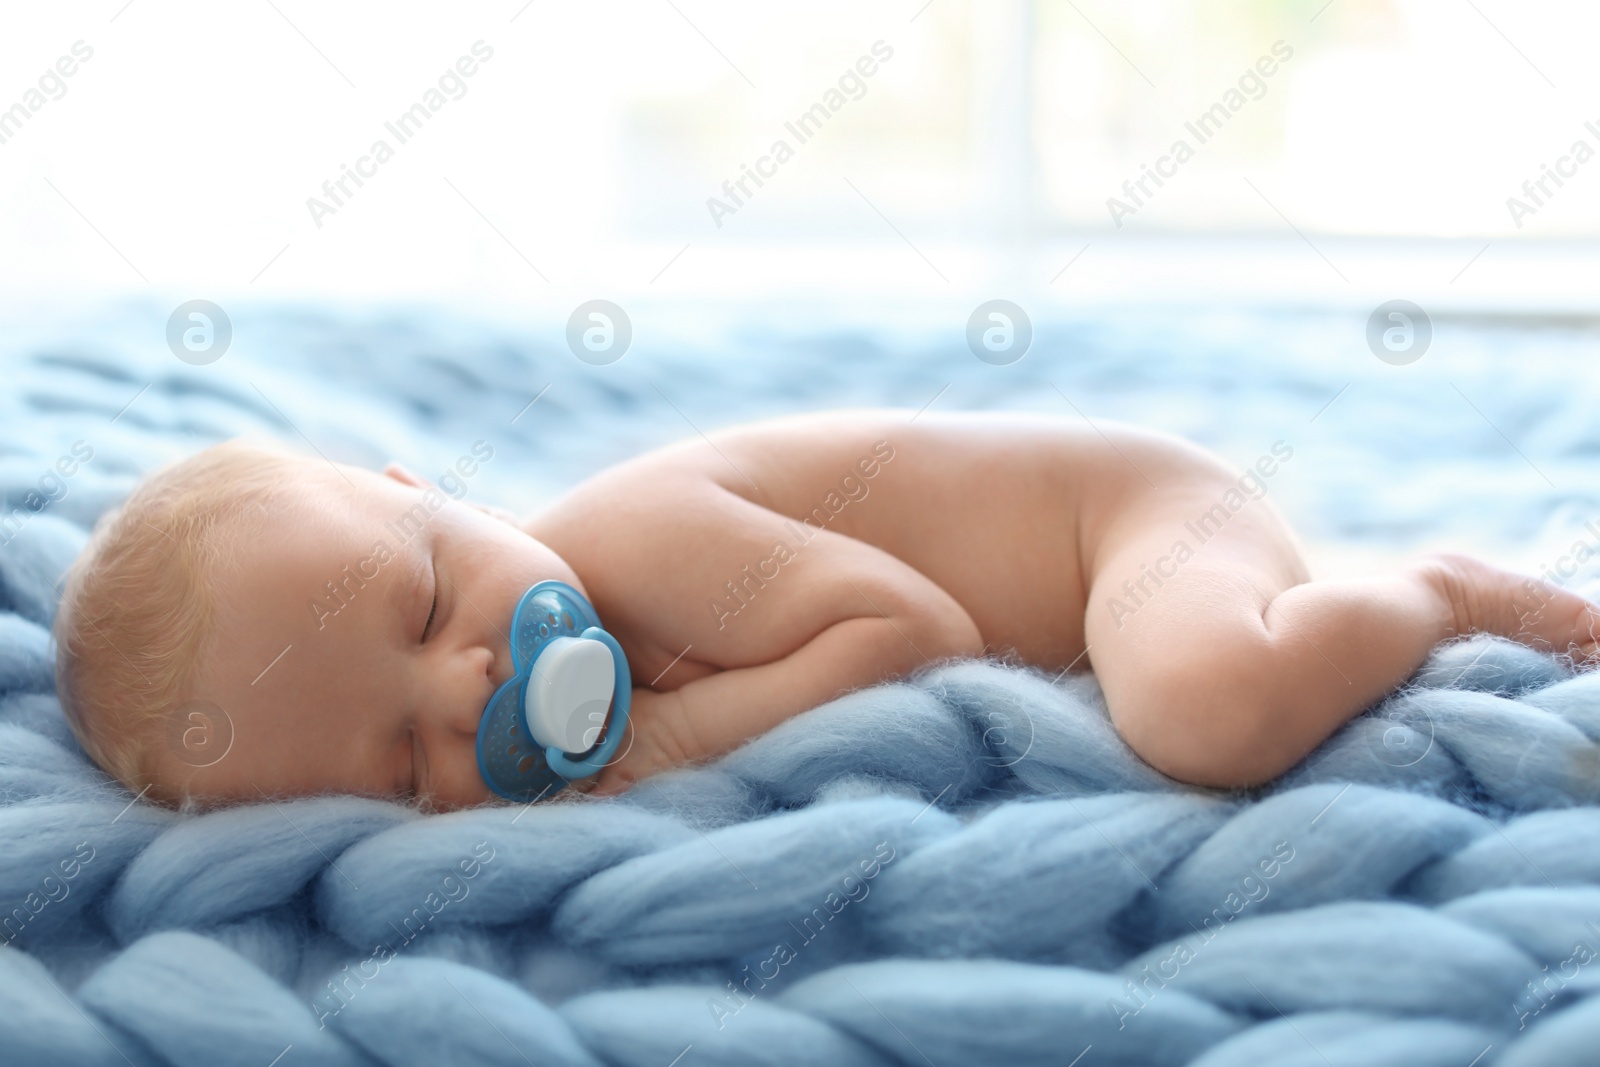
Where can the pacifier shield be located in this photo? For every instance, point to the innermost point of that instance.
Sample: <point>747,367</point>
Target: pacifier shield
<point>554,627</point>
<point>511,763</point>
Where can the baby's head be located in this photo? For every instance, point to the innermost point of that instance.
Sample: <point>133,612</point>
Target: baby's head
<point>254,623</point>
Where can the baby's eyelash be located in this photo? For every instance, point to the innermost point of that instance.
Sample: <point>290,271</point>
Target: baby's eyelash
<point>431,610</point>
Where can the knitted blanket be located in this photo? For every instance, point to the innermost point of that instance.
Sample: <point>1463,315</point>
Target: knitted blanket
<point>967,867</point>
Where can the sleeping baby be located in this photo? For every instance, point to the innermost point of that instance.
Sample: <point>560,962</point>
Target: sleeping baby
<point>254,623</point>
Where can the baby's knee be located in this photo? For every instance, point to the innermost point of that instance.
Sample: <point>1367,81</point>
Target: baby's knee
<point>1201,724</point>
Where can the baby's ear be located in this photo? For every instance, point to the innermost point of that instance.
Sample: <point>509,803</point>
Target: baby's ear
<point>406,477</point>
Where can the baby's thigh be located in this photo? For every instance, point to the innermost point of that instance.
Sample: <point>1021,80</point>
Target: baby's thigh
<point>1184,572</point>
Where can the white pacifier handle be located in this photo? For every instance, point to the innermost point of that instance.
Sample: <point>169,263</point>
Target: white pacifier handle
<point>569,692</point>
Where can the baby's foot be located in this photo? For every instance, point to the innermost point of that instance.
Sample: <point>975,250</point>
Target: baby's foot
<point>1485,599</point>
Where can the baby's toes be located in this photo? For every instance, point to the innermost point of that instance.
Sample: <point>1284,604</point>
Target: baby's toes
<point>1586,635</point>
<point>1487,599</point>
<point>1563,620</point>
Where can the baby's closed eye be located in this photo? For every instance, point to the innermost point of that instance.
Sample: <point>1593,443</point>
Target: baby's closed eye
<point>433,609</point>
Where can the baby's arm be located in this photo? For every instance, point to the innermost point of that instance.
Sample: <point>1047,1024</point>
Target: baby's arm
<point>840,615</point>
<point>716,714</point>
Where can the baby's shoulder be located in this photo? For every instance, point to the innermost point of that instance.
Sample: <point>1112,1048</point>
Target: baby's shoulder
<point>643,510</point>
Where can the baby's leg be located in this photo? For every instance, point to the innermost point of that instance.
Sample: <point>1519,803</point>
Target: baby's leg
<point>1224,665</point>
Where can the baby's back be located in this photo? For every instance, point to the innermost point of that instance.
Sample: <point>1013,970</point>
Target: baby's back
<point>1004,512</point>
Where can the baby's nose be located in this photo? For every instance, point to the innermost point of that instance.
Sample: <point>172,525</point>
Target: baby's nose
<point>496,666</point>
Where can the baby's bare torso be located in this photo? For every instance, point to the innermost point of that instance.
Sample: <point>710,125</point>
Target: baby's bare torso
<point>680,549</point>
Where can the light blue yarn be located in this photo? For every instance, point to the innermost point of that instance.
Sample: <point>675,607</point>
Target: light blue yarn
<point>34,558</point>
<point>1576,701</point>
<point>697,902</point>
<point>41,1024</point>
<point>1037,869</point>
<point>1010,923</point>
<point>1559,847</point>
<point>40,835</point>
<point>25,656</point>
<point>991,1011</point>
<point>637,1028</point>
<point>257,857</point>
<point>458,1000</point>
<point>1054,886</point>
<point>1072,887</point>
<point>198,1004</point>
<point>1375,956</point>
<point>1545,923</point>
<point>535,861</point>
<point>1352,1039</point>
<point>896,731</point>
<point>1349,842</point>
<point>1565,1037</point>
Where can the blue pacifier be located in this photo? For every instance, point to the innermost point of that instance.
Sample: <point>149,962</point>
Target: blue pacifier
<point>548,724</point>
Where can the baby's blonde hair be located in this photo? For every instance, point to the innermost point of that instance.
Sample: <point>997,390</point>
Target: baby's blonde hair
<point>136,607</point>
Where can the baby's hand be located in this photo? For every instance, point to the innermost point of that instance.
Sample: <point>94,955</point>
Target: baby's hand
<point>659,738</point>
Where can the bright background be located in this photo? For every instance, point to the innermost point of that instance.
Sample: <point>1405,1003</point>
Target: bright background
<point>1376,164</point>
<point>980,156</point>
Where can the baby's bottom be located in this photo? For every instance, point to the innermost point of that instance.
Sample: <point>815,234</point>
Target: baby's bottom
<point>1224,665</point>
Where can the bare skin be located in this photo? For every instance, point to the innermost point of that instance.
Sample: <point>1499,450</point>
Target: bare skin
<point>766,570</point>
